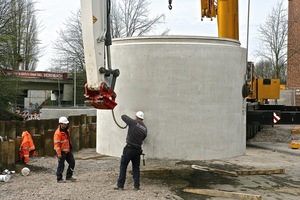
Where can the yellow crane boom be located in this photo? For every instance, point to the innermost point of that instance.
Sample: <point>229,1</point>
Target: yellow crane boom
<point>227,15</point>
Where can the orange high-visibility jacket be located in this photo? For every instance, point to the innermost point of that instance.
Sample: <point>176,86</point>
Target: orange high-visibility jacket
<point>61,142</point>
<point>26,147</point>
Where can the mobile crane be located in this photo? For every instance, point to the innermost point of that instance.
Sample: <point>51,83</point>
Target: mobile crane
<point>101,78</point>
<point>256,91</point>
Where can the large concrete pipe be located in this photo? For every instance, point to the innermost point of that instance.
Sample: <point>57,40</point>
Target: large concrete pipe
<point>190,91</point>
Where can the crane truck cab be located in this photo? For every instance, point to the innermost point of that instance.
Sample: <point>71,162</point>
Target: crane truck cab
<point>259,90</point>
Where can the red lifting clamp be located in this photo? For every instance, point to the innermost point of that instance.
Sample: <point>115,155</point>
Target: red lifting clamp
<point>104,98</point>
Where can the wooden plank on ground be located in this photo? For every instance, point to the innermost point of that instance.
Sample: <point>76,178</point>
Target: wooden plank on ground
<point>91,157</point>
<point>218,171</point>
<point>261,172</point>
<point>296,130</point>
<point>295,144</point>
<point>223,194</point>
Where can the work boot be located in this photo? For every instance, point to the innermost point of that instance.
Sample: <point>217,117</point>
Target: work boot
<point>71,179</point>
<point>118,188</point>
<point>136,188</point>
<point>61,181</point>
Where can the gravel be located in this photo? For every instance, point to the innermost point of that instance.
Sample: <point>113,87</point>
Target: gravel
<point>281,133</point>
<point>96,176</point>
<point>162,179</point>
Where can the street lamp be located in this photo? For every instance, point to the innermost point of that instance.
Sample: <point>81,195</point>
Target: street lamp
<point>75,71</point>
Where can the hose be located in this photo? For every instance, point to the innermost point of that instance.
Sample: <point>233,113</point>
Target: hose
<point>113,114</point>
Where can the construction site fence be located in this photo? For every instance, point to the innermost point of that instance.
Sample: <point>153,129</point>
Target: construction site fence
<point>82,131</point>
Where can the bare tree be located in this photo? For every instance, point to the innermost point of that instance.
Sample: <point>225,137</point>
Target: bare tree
<point>128,18</point>
<point>30,47</point>
<point>273,37</point>
<point>131,18</point>
<point>4,32</point>
<point>18,35</point>
<point>69,46</point>
<point>4,10</point>
<point>262,69</point>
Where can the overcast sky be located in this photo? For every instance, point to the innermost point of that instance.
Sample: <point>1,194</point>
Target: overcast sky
<point>183,19</point>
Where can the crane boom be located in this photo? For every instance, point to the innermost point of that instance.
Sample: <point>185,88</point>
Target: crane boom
<point>227,15</point>
<point>101,77</point>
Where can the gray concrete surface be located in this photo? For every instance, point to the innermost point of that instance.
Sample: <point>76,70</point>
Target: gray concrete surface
<point>190,90</point>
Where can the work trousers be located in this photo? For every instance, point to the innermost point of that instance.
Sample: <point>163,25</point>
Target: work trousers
<point>61,165</point>
<point>132,154</point>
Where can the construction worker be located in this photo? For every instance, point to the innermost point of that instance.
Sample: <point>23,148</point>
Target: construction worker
<point>137,132</point>
<point>63,148</point>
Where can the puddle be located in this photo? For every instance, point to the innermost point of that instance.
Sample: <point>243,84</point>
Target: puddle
<point>177,180</point>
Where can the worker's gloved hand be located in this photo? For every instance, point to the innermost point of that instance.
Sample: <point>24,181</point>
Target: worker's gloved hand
<point>58,158</point>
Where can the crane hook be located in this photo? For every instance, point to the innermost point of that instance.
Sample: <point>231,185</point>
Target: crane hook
<point>170,4</point>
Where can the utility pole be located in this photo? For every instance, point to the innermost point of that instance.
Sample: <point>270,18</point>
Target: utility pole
<point>75,72</point>
<point>58,92</point>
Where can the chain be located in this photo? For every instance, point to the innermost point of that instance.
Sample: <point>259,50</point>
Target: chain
<point>113,114</point>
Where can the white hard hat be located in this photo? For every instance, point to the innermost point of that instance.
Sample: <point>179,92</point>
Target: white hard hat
<point>25,171</point>
<point>63,120</point>
<point>140,114</point>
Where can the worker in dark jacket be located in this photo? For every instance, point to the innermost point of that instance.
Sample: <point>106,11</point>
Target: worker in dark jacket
<point>137,132</point>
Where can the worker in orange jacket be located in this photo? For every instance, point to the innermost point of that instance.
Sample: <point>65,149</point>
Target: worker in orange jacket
<point>27,147</point>
<point>63,147</point>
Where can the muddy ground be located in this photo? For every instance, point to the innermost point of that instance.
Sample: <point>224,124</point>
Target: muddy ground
<point>96,176</point>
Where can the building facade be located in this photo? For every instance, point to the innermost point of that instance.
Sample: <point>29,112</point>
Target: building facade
<point>293,63</point>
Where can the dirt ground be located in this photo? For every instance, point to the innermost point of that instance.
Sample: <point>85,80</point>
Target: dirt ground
<point>163,179</point>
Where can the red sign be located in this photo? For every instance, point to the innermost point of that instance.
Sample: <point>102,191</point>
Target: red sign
<point>276,118</point>
<point>36,74</point>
